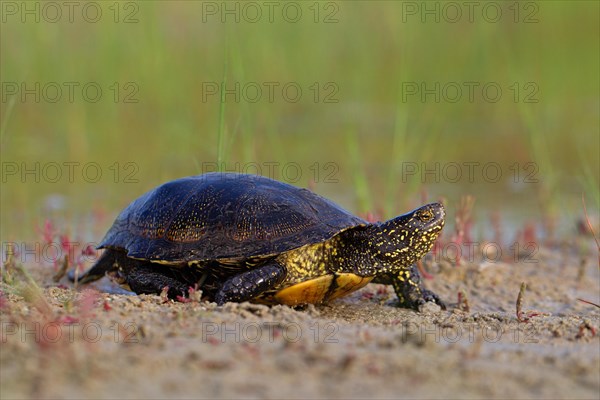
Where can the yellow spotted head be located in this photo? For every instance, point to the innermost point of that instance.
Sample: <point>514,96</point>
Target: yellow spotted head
<point>402,241</point>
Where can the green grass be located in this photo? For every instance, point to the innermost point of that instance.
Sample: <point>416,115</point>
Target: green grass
<point>6,118</point>
<point>368,133</point>
<point>221,133</point>
<point>360,182</point>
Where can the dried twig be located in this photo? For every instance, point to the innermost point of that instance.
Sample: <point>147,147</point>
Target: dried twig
<point>463,223</point>
<point>164,294</point>
<point>589,302</point>
<point>525,316</point>
<point>520,299</point>
<point>583,328</point>
<point>463,301</point>
<point>587,218</point>
<point>9,265</point>
<point>63,269</point>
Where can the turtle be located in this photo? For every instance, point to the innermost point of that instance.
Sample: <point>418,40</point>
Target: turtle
<point>243,237</point>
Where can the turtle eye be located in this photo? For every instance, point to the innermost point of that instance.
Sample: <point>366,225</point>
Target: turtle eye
<point>425,215</point>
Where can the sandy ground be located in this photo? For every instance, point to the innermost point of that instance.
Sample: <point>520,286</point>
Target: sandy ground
<point>62,343</point>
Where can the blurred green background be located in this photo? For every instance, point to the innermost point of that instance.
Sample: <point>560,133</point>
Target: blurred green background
<point>379,96</point>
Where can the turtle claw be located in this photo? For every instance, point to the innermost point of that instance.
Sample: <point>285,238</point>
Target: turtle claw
<point>425,296</point>
<point>429,296</point>
<point>410,291</point>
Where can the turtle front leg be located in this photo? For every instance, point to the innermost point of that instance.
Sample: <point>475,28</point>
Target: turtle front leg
<point>250,284</point>
<point>409,288</point>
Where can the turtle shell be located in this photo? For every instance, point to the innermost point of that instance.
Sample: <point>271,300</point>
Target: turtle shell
<point>224,216</point>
